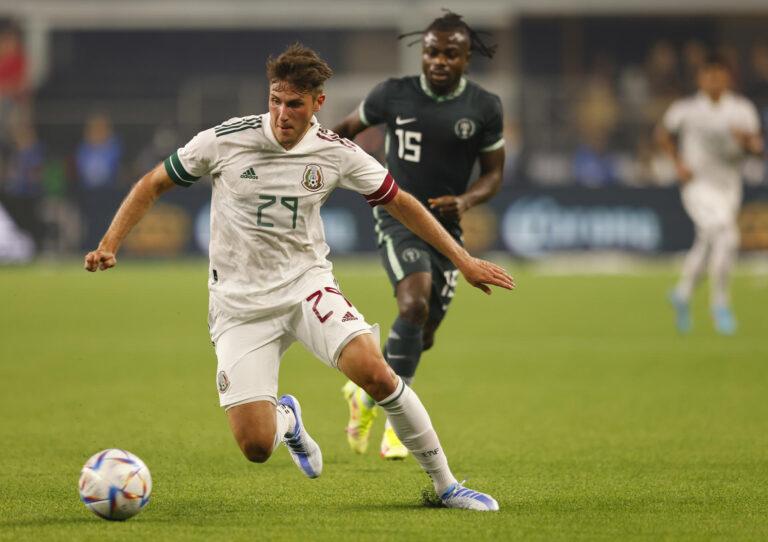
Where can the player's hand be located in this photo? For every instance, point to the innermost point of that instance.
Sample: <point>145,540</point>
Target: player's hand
<point>480,273</point>
<point>684,174</point>
<point>99,259</point>
<point>449,207</point>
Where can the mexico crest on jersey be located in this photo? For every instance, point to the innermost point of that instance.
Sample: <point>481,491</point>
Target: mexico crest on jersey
<point>464,128</point>
<point>313,178</point>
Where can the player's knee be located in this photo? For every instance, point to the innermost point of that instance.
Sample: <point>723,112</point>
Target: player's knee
<point>414,310</point>
<point>256,451</point>
<point>380,383</point>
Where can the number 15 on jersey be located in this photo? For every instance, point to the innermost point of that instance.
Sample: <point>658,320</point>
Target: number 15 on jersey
<point>408,145</point>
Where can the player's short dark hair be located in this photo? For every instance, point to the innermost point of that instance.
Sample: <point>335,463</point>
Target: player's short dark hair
<point>451,22</point>
<point>300,67</point>
<point>715,60</point>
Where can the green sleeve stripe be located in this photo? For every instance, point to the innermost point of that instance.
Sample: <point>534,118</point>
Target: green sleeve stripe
<point>361,113</point>
<point>169,169</point>
<point>499,144</point>
<point>176,163</point>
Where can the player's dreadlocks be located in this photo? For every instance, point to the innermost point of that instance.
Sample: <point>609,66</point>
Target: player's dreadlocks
<point>453,21</point>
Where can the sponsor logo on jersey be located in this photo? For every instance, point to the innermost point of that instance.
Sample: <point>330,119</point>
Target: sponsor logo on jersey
<point>312,179</point>
<point>249,174</point>
<point>464,128</point>
<point>410,255</point>
<point>222,381</point>
<point>348,317</point>
<point>400,121</point>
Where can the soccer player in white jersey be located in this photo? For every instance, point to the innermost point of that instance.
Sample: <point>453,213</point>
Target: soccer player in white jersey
<point>270,282</point>
<point>714,129</point>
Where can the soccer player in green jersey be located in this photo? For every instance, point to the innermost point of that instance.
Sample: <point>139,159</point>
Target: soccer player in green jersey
<point>438,124</point>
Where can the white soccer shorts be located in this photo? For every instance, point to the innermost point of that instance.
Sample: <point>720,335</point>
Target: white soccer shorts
<point>711,208</point>
<point>249,354</point>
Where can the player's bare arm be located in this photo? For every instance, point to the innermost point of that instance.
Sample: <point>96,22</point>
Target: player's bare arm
<point>484,188</point>
<point>479,273</point>
<point>666,141</point>
<point>136,204</point>
<point>350,126</point>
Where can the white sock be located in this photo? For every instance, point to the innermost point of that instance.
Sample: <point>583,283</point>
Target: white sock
<point>693,266</point>
<point>413,427</point>
<point>408,382</point>
<point>285,422</point>
<point>725,244</point>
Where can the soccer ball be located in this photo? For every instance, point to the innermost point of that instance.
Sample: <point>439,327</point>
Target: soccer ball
<point>115,484</point>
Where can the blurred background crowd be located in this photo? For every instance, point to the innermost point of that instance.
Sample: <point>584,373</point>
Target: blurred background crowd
<point>89,102</point>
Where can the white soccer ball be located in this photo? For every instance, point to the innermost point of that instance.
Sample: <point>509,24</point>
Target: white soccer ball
<point>115,484</point>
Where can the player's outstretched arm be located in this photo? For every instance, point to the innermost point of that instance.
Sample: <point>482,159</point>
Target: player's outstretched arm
<point>350,126</point>
<point>479,273</point>
<point>136,204</point>
<point>484,188</point>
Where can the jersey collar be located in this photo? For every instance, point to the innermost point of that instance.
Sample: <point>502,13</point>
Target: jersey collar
<point>726,96</point>
<point>313,127</point>
<point>455,94</point>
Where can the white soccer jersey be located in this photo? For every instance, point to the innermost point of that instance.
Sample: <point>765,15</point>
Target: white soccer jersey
<point>266,231</point>
<point>705,128</point>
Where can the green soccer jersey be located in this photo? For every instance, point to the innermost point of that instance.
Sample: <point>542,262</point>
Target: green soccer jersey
<point>433,141</point>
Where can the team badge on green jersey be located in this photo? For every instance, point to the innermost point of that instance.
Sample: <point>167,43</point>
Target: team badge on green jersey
<point>313,178</point>
<point>464,128</point>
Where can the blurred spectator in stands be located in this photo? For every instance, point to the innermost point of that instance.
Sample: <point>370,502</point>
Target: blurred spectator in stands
<point>98,157</point>
<point>163,143</point>
<point>664,85</point>
<point>694,56</point>
<point>597,113</point>
<point>757,87</point>
<point>13,84</point>
<point>23,188</point>
<point>730,53</point>
<point>25,166</point>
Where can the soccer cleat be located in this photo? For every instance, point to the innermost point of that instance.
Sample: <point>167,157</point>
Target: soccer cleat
<point>725,323</point>
<point>303,449</point>
<point>391,447</point>
<point>361,417</point>
<point>458,496</point>
<point>682,312</point>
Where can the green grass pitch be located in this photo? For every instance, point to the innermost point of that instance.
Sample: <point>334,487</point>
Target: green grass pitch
<point>572,400</point>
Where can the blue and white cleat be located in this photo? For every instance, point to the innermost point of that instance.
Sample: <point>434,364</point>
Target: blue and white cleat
<point>725,323</point>
<point>682,312</point>
<point>303,449</point>
<point>458,496</point>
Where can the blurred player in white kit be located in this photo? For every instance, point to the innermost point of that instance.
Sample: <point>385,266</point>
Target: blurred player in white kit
<point>707,135</point>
